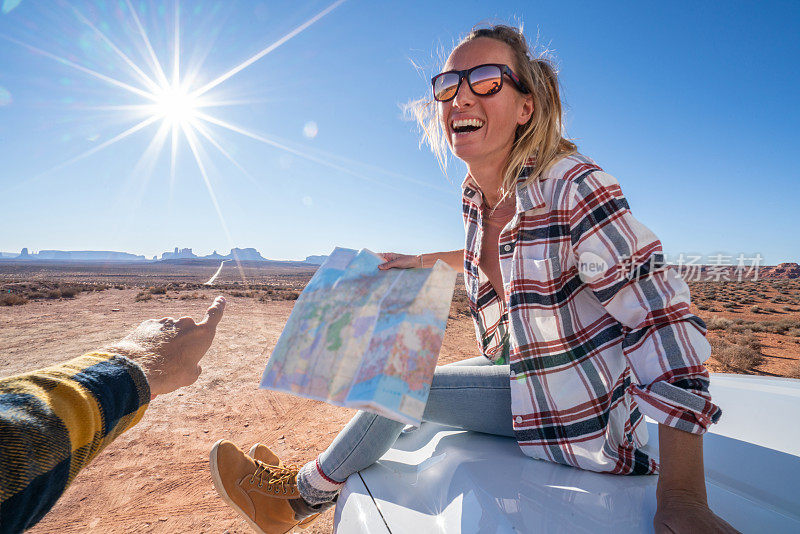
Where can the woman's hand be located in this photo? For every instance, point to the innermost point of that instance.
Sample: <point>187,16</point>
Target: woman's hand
<point>679,512</point>
<point>170,350</point>
<point>398,261</point>
<point>453,258</point>
<point>681,493</point>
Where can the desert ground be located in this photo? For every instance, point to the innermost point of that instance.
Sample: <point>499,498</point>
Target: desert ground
<point>155,477</point>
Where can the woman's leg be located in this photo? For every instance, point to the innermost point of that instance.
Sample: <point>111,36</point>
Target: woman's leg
<point>471,394</point>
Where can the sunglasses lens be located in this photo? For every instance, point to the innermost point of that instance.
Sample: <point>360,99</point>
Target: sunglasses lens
<point>486,80</point>
<point>445,86</point>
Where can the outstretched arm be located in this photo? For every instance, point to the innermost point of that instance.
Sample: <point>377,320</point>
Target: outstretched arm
<point>54,421</point>
<point>453,258</point>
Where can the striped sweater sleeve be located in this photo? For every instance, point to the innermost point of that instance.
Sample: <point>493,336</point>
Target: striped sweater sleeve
<point>54,421</point>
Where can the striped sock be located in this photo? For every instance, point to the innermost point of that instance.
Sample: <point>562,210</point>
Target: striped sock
<point>316,487</point>
<point>302,509</point>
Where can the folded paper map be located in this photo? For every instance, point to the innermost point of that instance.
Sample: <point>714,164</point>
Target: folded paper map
<point>365,338</point>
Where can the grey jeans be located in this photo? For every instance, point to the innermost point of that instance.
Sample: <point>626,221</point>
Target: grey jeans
<point>471,394</point>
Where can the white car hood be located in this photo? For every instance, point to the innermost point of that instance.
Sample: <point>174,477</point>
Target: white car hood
<point>443,479</point>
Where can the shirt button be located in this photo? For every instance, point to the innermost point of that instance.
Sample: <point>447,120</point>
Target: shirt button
<point>506,248</point>
<point>518,420</point>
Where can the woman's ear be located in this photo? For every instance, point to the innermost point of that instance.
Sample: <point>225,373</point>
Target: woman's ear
<point>526,111</point>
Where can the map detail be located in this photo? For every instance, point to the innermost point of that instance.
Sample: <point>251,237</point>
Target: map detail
<point>364,338</point>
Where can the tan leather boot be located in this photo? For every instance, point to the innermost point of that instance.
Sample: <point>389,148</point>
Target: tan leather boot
<point>262,453</point>
<point>259,492</point>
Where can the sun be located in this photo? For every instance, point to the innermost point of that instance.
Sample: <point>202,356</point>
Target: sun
<point>176,106</point>
<point>170,99</point>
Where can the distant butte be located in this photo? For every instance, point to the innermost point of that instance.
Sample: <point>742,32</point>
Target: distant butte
<point>237,254</point>
<point>782,270</point>
<point>786,270</point>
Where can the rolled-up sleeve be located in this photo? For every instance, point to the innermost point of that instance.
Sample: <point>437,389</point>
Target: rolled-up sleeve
<point>623,263</point>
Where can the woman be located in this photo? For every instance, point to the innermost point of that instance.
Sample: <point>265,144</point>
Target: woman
<point>585,325</point>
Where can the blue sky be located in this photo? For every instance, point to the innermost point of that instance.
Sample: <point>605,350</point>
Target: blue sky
<point>692,106</point>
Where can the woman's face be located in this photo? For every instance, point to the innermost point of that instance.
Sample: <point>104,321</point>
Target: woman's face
<point>498,114</point>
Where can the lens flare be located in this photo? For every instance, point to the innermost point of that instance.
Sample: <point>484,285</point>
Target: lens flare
<point>176,106</point>
<point>172,102</point>
<point>8,5</point>
<point>310,130</point>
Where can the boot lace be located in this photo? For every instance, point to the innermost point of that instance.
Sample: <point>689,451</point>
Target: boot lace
<point>281,478</point>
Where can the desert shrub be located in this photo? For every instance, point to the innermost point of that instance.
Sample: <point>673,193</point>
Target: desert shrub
<point>158,290</point>
<point>291,295</point>
<point>794,369</point>
<point>782,326</point>
<point>190,296</point>
<point>251,294</point>
<point>745,340</point>
<point>794,332</point>
<point>54,294</point>
<point>142,296</point>
<point>733,356</point>
<point>69,292</point>
<point>12,299</point>
<point>718,323</point>
<point>119,286</point>
<point>756,309</point>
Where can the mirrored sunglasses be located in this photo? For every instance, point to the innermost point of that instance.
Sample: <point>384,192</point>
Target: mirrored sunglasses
<point>483,80</point>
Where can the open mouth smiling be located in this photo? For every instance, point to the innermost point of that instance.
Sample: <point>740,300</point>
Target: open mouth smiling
<point>465,126</point>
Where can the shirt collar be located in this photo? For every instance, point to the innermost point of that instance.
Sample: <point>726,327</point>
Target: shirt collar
<point>529,195</point>
<point>529,192</point>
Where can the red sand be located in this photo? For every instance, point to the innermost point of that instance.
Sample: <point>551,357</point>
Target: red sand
<point>155,477</point>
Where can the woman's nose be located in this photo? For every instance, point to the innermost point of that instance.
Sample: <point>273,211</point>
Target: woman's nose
<point>464,97</point>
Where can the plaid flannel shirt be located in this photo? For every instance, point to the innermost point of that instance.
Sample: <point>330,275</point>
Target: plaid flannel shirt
<point>595,326</point>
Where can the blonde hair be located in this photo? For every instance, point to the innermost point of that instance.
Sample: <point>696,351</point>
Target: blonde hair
<point>541,138</point>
